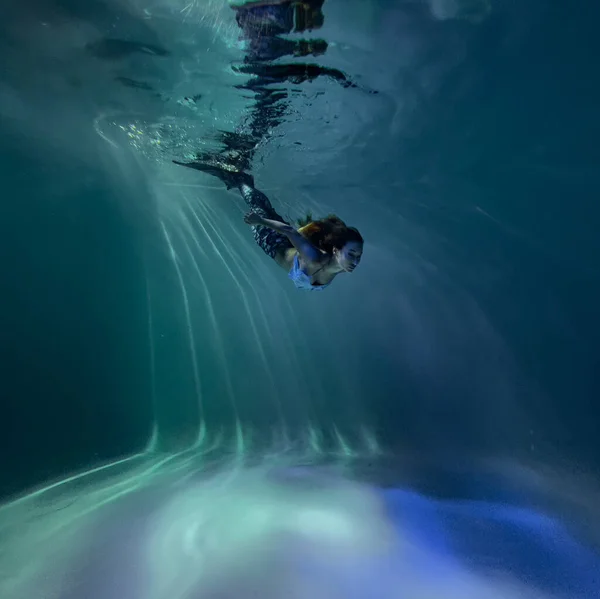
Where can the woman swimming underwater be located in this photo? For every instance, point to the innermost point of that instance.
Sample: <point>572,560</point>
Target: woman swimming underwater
<point>313,254</point>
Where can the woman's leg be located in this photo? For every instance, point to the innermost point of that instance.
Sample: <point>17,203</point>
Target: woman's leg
<point>268,240</point>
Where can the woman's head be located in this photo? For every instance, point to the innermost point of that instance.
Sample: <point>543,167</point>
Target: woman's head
<point>333,236</point>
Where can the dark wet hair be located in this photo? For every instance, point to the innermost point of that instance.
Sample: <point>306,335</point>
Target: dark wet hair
<point>328,233</point>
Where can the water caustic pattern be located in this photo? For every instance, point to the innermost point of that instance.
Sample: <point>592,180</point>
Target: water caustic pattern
<point>197,525</point>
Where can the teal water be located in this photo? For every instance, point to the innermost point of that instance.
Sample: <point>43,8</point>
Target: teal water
<point>138,316</point>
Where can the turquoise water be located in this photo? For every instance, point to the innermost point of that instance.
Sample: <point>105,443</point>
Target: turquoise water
<point>458,363</point>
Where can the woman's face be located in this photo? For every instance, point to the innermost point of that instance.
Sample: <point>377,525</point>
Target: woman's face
<point>349,256</point>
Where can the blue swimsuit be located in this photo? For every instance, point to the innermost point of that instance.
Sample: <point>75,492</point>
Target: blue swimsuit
<point>301,279</point>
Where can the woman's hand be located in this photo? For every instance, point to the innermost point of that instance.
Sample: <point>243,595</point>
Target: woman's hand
<point>253,219</point>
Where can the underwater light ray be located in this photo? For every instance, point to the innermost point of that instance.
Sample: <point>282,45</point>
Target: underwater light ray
<point>236,263</point>
<point>216,331</point>
<point>154,439</point>
<point>248,310</point>
<point>190,229</point>
<point>124,484</point>
<point>282,331</point>
<point>237,260</point>
<point>345,450</point>
<point>298,346</point>
<point>38,493</point>
<point>191,340</point>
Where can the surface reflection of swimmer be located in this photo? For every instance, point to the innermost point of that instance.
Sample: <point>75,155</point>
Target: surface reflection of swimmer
<point>261,49</point>
<point>313,254</point>
<point>262,23</point>
<point>260,18</point>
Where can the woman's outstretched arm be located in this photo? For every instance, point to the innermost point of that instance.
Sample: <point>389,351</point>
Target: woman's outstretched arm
<point>305,248</point>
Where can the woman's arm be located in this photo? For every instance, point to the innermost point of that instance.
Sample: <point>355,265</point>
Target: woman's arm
<point>305,248</point>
